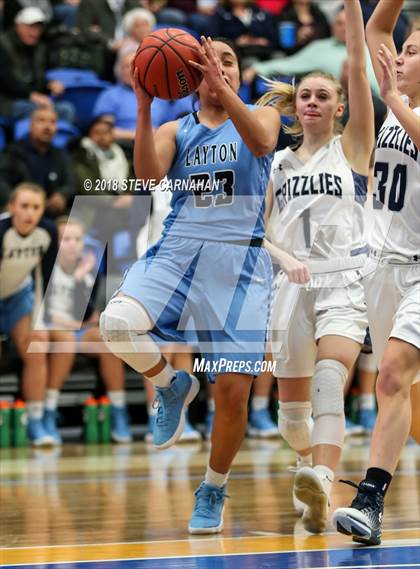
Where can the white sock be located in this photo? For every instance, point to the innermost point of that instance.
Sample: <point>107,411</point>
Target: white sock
<point>164,377</point>
<point>211,405</point>
<point>151,411</point>
<point>117,398</point>
<point>51,399</point>
<point>259,402</point>
<point>304,460</point>
<point>326,476</point>
<point>35,409</point>
<point>367,401</point>
<point>215,478</point>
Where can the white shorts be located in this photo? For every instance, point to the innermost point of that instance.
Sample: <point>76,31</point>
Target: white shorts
<point>301,316</point>
<point>392,294</point>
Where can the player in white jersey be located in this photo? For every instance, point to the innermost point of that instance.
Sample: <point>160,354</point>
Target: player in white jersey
<point>316,228</point>
<point>392,281</point>
<point>28,246</point>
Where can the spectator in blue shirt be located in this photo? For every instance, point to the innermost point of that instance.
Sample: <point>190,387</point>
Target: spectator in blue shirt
<point>118,103</point>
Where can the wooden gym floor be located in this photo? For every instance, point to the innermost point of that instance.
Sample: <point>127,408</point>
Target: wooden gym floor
<point>110,507</point>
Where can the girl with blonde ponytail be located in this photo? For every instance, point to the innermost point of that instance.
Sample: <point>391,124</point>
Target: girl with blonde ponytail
<point>315,232</point>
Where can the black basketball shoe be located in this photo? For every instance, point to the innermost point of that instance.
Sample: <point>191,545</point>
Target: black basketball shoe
<point>363,519</point>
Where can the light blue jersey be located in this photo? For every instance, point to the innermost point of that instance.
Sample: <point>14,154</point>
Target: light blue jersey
<point>208,279</point>
<point>222,184</point>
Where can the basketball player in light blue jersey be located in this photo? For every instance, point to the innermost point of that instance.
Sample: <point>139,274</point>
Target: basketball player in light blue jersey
<point>208,267</point>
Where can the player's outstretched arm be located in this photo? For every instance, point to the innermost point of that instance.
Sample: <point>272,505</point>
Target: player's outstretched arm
<point>389,93</point>
<point>259,129</point>
<point>379,30</point>
<point>153,153</point>
<point>359,134</point>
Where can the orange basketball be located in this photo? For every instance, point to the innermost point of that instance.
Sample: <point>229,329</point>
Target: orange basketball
<point>162,63</point>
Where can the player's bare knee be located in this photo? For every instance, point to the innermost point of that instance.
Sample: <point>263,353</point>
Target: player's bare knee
<point>391,381</point>
<point>234,397</point>
<point>36,355</point>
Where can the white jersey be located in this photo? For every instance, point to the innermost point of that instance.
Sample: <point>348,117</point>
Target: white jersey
<point>63,297</point>
<point>318,205</point>
<point>396,196</point>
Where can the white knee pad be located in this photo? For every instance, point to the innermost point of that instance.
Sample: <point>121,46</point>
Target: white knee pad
<point>295,424</point>
<point>124,325</point>
<point>327,394</point>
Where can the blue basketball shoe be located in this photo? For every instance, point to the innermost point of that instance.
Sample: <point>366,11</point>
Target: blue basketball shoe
<point>120,425</point>
<point>49,421</point>
<point>261,425</point>
<point>172,404</point>
<point>207,515</point>
<point>189,434</point>
<point>37,434</point>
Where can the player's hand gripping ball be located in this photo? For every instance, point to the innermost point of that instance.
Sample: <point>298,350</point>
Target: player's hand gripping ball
<point>162,64</point>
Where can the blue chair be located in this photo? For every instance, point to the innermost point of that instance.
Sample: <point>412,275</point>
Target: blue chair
<point>260,86</point>
<point>65,131</point>
<point>70,77</point>
<point>2,138</point>
<point>184,28</point>
<point>245,92</point>
<point>83,97</point>
<point>5,121</point>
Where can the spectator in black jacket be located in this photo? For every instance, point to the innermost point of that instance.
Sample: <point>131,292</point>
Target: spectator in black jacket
<point>43,163</point>
<point>252,29</point>
<point>106,17</point>
<point>401,28</point>
<point>310,24</point>
<point>23,58</point>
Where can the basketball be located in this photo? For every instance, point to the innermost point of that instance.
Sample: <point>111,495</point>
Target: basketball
<point>162,63</point>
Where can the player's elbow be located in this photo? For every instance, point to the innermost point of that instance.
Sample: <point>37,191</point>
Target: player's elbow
<point>371,28</point>
<point>261,148</point>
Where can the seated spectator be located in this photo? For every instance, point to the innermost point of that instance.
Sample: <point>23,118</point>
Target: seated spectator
<point>114,211</point>
<point>28,249</point>
<point>22,72</point>
<point>166,12</point>
<point>138,24</point>
<point>197,13</point>
<point>118,103</point>
<point>401,28</point>
<point>65,12</point>
<point>73,319</point>
<point>12,7</point>
<point>326,55</point>
<point>98,157</point>
<point>252,29</point>
<point>309,22</point>
<point>106,17</point>
<point>43,163</point>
